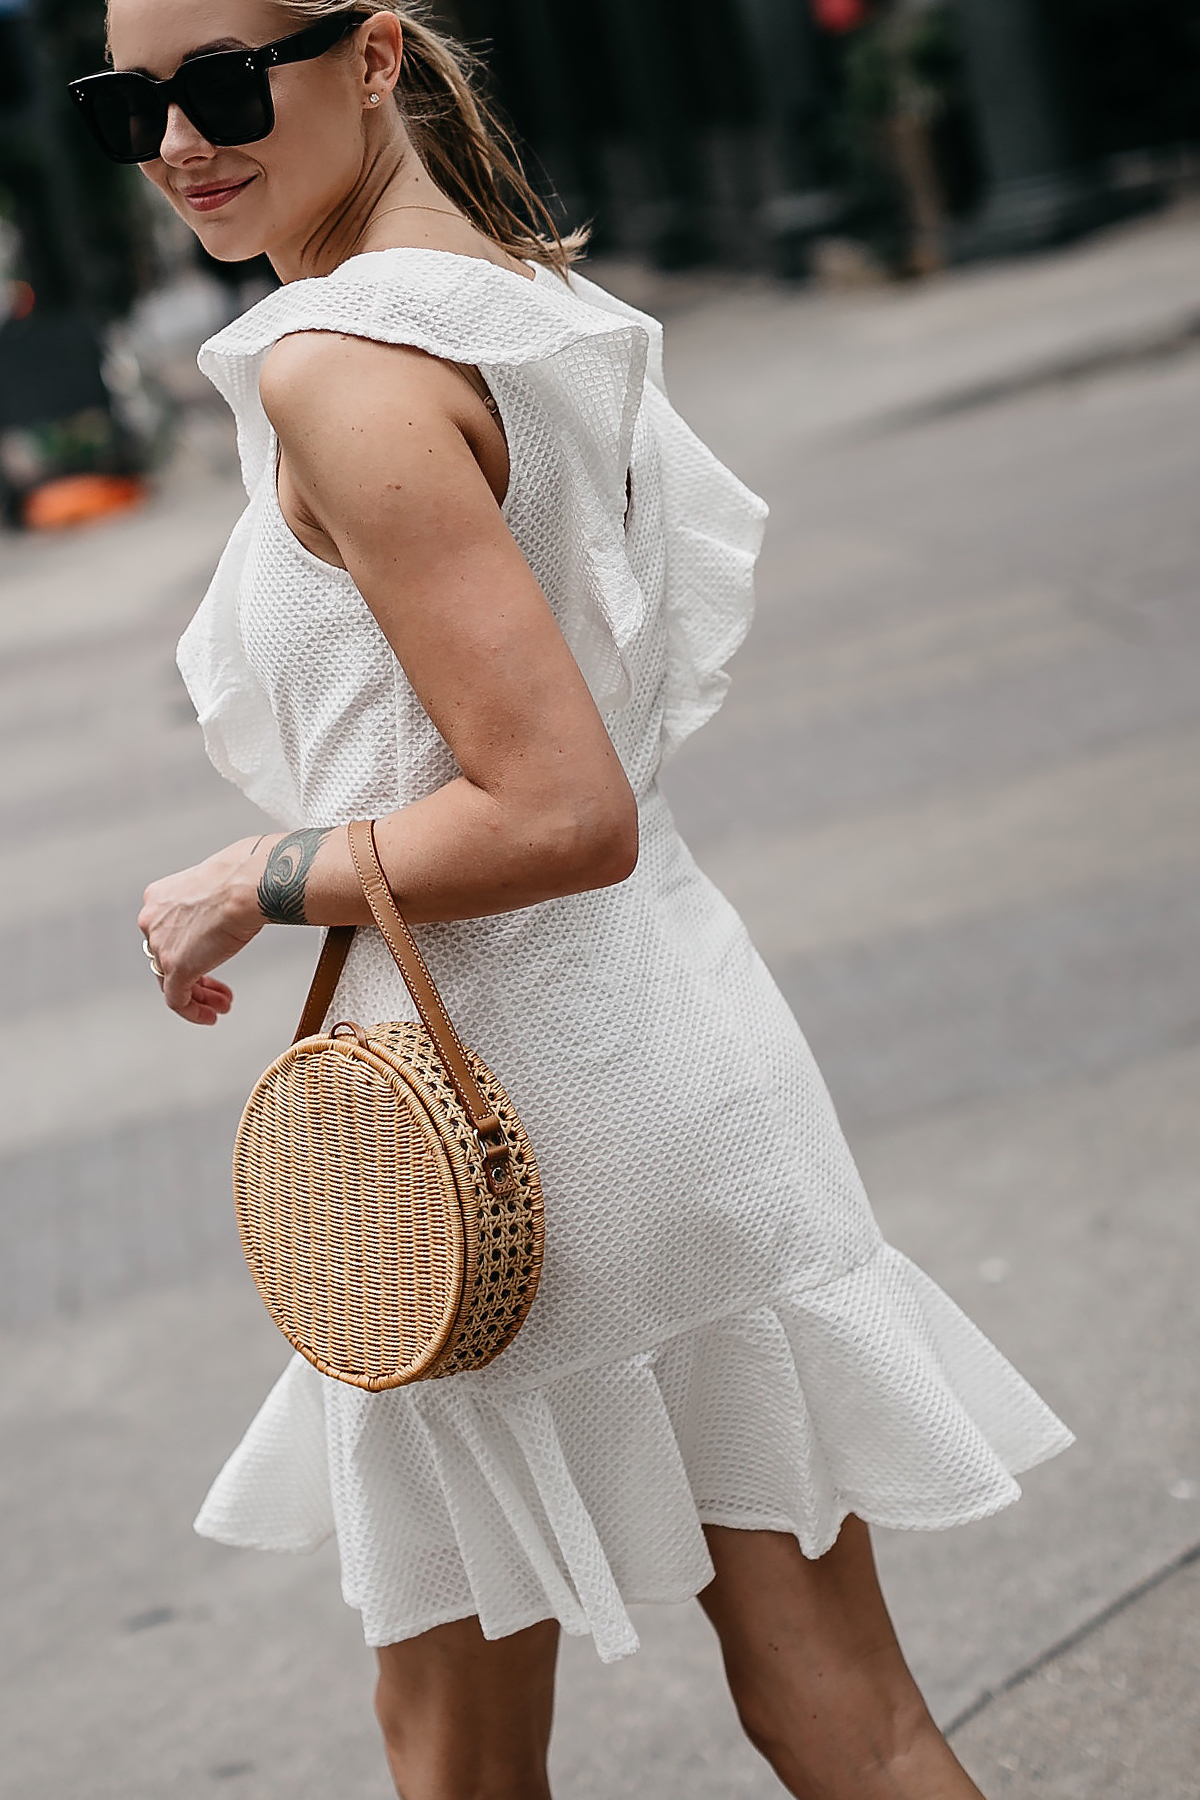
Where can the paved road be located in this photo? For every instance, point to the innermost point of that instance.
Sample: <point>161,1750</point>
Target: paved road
<point>955,792</point>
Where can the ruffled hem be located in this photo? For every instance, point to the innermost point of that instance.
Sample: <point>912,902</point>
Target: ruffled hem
<point>573,1500</point>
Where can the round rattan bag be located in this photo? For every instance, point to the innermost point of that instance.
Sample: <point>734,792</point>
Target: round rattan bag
<point>387,1196</point>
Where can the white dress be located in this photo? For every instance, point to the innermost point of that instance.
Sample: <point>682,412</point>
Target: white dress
<point>721,1335</point>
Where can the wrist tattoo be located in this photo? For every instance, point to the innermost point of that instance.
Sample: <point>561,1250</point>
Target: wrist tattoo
<point>285,878</point>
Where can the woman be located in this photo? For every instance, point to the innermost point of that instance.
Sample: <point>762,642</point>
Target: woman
<point>485,583</point>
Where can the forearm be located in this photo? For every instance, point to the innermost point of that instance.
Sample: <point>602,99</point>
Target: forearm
<point>459,853</point>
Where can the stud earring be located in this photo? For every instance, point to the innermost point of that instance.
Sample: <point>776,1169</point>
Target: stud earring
<point>374,99</point>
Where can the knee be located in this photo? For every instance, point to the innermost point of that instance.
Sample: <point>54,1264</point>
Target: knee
<point>806,1737</point>
<point>415,1759</point>
<point>390,1715</point>
<point>766,1725</point>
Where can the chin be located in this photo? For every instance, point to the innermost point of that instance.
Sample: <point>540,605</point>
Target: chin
<point>231,245</point>
<point>231,251</point>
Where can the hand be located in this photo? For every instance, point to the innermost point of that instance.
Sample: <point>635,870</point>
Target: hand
<point>197,920</point>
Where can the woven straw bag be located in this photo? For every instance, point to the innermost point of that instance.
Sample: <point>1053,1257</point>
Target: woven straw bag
<point>387,1196</point>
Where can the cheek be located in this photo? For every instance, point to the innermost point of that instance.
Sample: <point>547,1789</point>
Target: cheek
<point>309,169</point>
<point>315,152</point>
<point>156,174</point>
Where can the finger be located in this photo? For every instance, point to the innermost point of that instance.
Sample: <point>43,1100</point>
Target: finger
<point>196,1007</point>
<point>207,1001</point>
<point>217,989</point>
<point>177,992</point>
<point>214,995</point>
<point>196,1013</point>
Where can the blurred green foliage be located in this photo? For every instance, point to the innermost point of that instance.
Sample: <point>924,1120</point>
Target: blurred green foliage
<point>901,62</point>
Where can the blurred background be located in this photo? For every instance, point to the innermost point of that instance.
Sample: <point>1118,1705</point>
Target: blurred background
<point>931,278</point>
<point>838,139</point>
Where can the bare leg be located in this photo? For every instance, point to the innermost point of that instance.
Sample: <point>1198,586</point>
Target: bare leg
<point>817,1675</point>
<point>465,1719</point>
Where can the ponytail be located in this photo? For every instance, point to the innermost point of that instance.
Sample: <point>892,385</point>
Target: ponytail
<point>457,135</point>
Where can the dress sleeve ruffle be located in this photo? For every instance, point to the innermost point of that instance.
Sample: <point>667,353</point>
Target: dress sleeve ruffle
<point>590,368</point>
<point>585,369</point>
<point>714,531</point>
<point>235,714</point>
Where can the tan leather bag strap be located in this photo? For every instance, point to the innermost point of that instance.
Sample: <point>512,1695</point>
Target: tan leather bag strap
<point>417,979</point>
<point>326,976</point>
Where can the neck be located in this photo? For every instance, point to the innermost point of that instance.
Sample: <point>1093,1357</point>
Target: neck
<point>392,190</point>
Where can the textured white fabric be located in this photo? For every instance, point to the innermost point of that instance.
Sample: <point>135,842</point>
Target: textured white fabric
<point>721,1335</point>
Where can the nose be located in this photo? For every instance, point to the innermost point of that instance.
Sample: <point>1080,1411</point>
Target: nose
<point>182,142</point>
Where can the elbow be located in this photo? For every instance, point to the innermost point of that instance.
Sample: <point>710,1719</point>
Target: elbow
<point>596,848</point>
<point>616,849</point>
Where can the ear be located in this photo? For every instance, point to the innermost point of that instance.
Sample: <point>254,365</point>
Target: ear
<point>381,45</point>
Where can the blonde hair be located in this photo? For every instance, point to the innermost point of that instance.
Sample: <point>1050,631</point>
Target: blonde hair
<point>459,138</point>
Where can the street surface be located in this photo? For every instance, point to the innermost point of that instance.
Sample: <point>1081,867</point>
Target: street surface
<point>956,793</point>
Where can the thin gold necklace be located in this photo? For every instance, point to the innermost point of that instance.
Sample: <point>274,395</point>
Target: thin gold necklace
<point>442,211</point>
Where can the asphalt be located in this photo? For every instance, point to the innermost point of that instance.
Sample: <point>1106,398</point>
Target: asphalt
<point>954,792</point>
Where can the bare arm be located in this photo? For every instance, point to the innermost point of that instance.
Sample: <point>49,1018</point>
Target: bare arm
<point>385,468</point>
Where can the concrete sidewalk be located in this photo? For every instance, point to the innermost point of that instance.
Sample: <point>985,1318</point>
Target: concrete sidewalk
<point>954,792</point>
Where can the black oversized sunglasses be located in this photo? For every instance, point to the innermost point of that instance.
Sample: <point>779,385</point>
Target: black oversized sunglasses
<point>226,94</point>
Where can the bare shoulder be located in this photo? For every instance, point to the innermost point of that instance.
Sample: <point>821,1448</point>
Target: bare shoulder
<point>327,375</point>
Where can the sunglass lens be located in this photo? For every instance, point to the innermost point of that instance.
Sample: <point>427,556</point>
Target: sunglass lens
<point>230,105</point>
<point>128,118</point>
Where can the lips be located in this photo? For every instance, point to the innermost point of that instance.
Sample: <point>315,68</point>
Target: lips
<point>213,194</point>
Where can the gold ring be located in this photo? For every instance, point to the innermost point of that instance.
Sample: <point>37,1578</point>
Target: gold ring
<point>148,953</point>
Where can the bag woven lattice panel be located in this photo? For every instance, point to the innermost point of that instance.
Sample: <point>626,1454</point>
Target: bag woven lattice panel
<point>366,1217</point>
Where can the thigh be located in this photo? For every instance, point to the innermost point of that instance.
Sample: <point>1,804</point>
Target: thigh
<point>464,1716</point>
